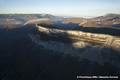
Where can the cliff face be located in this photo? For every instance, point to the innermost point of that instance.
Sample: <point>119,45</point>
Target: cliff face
<point>98,48</point>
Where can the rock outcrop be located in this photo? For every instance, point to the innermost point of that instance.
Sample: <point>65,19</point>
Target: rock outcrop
<point>98,48</point>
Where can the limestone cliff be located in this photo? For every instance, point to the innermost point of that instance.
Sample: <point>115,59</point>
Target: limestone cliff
<point>99,48</point>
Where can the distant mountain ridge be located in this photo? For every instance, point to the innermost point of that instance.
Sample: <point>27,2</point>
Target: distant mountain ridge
<point>112,20</point>
<point>39,21</point>
<point>20,19</point>
<point>108,19</point>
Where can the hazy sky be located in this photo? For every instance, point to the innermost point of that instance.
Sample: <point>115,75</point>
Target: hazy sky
<point>80,8</point>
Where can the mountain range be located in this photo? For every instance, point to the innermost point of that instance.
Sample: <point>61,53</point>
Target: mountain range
<point>47,47</point>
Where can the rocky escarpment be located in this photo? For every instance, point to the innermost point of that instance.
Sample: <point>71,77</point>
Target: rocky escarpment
<point>98,48</point>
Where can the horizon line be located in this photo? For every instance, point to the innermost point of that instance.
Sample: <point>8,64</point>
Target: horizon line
<point>64,15</point>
